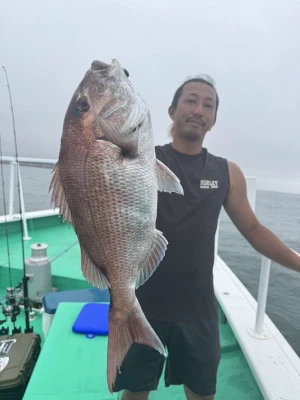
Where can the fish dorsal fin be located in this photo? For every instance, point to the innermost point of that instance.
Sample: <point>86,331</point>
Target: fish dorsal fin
<point>167,181</point>
<point>58,198</point>
<point>157,253</point>
<point>94,275</point>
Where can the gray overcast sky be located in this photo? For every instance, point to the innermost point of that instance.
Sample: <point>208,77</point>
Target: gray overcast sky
<point>250,48</point>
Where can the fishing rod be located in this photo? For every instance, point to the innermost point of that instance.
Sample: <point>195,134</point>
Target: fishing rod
<point>5,213</point>
<point>11,310</point>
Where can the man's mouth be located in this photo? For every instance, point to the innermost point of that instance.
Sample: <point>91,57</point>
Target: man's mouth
<point>196,121</point>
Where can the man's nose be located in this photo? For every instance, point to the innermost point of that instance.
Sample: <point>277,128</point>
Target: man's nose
<point>198,110</point>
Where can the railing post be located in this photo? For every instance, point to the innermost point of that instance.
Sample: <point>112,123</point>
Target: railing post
<point>23,214</point>
<point>262,299</point>
<point>262,294</point>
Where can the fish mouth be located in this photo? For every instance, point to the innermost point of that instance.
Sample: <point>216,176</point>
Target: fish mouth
<point>102,66</point>
<point>99,66</point>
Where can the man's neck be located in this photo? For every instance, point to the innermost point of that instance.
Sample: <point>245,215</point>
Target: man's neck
<point>187,147</point>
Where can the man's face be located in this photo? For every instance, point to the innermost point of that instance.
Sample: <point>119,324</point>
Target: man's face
<point>195,112</point>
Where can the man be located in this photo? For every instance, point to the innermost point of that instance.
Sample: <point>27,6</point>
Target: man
<point>178,299</point>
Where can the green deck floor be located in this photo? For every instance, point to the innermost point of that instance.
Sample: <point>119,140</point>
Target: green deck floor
<point>73,367</point>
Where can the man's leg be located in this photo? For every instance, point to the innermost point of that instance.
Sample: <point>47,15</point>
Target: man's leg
<point>193,358</point>
<point>189,395</point>
<point>135,396</point>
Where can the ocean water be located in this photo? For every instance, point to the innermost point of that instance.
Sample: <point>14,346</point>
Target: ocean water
<point>280,212</point>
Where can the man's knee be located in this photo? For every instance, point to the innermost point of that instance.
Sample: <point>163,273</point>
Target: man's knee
<point>135,396</point>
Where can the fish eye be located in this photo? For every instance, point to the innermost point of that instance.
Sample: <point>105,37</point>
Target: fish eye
<point>82,104</point>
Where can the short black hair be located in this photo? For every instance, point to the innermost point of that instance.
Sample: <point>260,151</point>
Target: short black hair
<point>206,79</point>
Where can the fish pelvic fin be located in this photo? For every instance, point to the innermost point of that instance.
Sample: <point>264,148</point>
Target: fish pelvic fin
<point>167,181</point>
<point>157,253</point>
<point>58,198</point>
<point>122,334</point>
<point>94,275</point>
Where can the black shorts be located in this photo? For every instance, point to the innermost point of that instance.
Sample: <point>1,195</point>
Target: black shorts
<point>193,359</point>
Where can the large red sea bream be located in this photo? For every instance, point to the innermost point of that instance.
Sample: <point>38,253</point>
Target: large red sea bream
<point>105,183</point>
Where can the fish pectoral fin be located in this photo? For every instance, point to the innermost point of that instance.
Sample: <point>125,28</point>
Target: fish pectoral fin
<point>167,181</point>
<point>58,198</point>
<point>157,253</point>
<point>94,275</point>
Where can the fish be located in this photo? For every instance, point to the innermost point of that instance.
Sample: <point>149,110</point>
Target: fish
<point>105,184</point>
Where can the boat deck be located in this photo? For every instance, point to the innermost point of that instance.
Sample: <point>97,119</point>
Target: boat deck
<point>235,379</point>
<point>77,368</point>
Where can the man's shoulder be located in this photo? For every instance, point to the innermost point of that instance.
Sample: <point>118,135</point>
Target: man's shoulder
<point>161,151</point>
<point>162,148</point>
<point>216,158</point>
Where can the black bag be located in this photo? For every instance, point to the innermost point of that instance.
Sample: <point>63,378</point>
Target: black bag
<point>18,355</point>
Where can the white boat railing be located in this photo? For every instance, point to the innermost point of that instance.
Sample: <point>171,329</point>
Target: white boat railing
<point>262,298</point>
<point>274,364</point>
<point>15,170</point>
<point>264,272</point>
<point>12,216</point>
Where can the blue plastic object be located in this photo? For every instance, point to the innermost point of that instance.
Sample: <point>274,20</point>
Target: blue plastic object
<point>52,300</point>
<point>92,320</point>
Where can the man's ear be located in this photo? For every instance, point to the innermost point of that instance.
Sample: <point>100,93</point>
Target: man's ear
<point>171,112</point>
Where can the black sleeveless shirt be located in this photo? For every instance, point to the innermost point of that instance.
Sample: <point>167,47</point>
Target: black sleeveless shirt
<point>181,288</point>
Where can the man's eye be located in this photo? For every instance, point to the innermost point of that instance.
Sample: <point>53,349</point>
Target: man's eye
<point>208,105</point>
<point>191,101</point>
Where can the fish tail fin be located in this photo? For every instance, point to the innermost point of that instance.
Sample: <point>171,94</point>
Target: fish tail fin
<point>122,334</point>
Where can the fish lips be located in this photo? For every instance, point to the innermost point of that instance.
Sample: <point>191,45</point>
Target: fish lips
<point>99,65</point>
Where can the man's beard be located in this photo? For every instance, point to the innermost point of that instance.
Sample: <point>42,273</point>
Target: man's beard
<point>192,137</point>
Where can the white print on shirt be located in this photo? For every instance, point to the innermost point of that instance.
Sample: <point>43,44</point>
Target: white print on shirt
<point>204,184</point>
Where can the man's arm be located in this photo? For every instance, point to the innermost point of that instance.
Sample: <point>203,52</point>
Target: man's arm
<point>261,238</point>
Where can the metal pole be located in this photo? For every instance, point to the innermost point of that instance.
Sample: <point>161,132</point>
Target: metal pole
<point>23,216</point>
<point>262,295</point>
